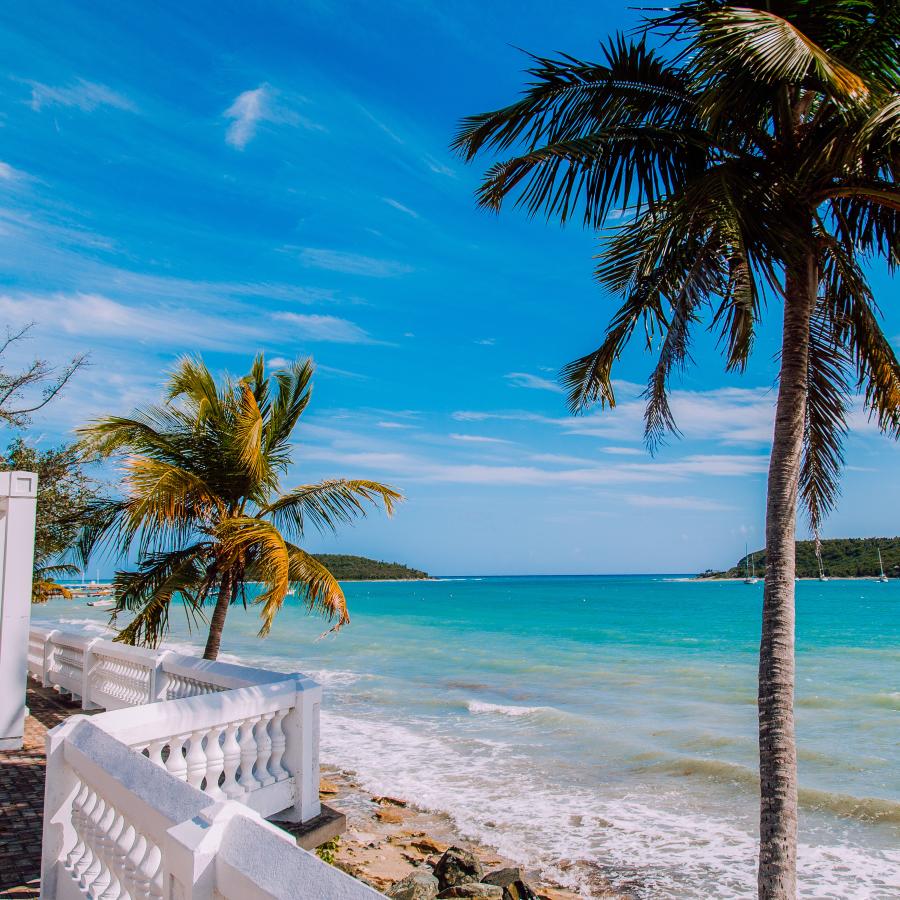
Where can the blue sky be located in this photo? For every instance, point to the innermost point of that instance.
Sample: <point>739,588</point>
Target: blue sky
<point>230,177</point>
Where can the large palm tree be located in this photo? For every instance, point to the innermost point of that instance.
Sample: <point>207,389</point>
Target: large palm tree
<point>753,158</point>
<point>203,507</point>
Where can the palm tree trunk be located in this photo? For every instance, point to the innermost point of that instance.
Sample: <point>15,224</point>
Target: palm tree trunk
<point>217,622</point>
<point>777,750</point>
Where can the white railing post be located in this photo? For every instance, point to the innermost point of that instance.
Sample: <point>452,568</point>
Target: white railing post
<point>18,500</point>
<point>60,787</point>
<point>87,672</point>
<point>189,857</point>
<point>301,754</point>
<point>49,648</point>
<point>159,678</point>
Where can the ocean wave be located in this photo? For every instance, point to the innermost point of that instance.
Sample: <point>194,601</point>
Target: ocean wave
<point>479,706</point>
<point>654,845</point>
<point>863,809</point>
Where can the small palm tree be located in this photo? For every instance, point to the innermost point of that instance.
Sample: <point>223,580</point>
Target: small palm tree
<point>45,581</point>
<point>757,160</point>
<point>203,507</point>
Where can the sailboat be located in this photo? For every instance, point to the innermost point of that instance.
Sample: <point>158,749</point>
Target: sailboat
<point>751,572</point>
<point>822,575</point>
<point>882,577</point>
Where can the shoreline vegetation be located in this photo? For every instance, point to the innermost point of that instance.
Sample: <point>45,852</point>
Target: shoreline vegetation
<point>842,558</point>
<point>361,568</point>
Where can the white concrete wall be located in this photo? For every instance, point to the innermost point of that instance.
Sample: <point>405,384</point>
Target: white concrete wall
<point>18,500</point>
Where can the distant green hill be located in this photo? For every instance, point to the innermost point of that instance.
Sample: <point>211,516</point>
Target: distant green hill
<point>841,558</point>
<point>359,568</point>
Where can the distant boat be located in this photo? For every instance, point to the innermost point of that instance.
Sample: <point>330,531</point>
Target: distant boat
<point>751,570</point>
<point>822,575</point>
<point>882,577</point>
<point>102,604</point>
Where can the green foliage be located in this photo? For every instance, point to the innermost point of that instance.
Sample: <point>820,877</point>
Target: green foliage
<point>359,568</point>
<point>715,151</point>
<point>841,558</point>
<point>66,495</point>
<point>202,503</point>
<point>327,851</point>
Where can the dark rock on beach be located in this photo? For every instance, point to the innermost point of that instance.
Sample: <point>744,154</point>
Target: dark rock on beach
<point>458,866</point>
<point>420,885</point>
<point>503,877</point>
<point>519,890</point>
<point>474,890</point>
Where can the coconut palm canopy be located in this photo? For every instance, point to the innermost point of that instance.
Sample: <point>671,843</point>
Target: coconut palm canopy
<point>202,504</point>
<point>753,158</point>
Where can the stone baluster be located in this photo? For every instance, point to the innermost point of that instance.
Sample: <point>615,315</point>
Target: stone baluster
<point>231,758</point>
<point>279,742</point>
<point>248,755</point>
<point>91,838</point>
<point>113,889</point>
<point>155,750</point>
<point>263,750</point>
<point>138,880</point>
<point>78,819</point>
<point>101,851</point>
<point>215,758</point>
<point>176,763</point>
<point>196,760</point>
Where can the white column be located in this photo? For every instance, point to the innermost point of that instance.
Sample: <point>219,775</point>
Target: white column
<point>18,500</point>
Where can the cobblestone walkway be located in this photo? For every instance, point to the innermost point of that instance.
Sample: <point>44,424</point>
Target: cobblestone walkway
<point>22,795</point>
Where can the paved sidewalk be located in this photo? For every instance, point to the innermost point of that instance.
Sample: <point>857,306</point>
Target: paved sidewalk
<point>22,795</point>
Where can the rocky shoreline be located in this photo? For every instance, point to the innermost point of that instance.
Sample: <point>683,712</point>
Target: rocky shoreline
<point>410,854</point>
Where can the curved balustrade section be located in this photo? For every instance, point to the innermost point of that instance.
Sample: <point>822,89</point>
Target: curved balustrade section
<point>163,794</point>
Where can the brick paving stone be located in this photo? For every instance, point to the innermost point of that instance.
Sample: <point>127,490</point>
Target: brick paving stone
<point>22,795</point>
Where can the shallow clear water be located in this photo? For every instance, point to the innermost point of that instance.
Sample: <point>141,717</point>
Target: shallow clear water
<point>607,723</point>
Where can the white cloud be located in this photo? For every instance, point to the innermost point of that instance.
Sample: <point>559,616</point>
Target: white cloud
<point>399,206</point>
<point>325,328</point>
<point>525,380</point>
<point>278,362</point>
<point>84,95</point>
<point>351,263</point>
<point>97,316</point>
<point>623,451</point>
<point>478,439</point>
<point>661,501</point>
<point>247,110</point>
<point>262,104</point>
<point>396,425</point>
<point>487,342</point>
<point>8,173</point>
<point>438,167</point>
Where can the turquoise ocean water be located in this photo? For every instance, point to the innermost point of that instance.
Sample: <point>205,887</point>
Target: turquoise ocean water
<point>606,725</point>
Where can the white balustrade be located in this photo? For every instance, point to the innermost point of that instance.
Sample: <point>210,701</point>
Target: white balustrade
<point>183,741</point>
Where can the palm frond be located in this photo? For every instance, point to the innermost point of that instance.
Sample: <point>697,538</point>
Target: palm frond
<point>320,590</point>
<point>828,391</point>
<point>328,504</point>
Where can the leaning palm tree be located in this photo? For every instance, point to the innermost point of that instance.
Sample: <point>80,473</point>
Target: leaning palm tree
<point>753,158</point>
<point>202,504</point>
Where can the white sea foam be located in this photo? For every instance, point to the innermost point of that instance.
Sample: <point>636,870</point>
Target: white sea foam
<point>479,706</point>
<point>497,795</point>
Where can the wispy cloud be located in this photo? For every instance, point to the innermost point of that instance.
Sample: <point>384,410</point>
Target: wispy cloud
<point>486,342</point>
<point>97,316</point>
<point>81,94</point>
<point>478,439</point>
<point>331,329</point>
<point>438,167</point>
<point>262,104</point>
<point>8,173</point>
<point>352,263</point>
<point>526,380</point>
<point>396,204</point>
<point>661,501</point>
